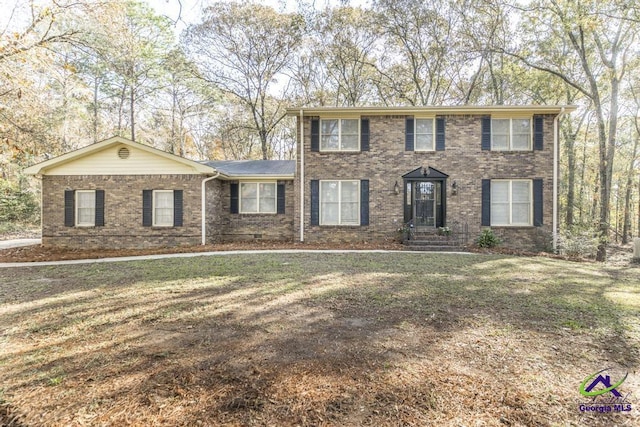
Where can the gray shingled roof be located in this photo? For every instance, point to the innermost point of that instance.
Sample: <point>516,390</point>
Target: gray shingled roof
<point>254,167</point>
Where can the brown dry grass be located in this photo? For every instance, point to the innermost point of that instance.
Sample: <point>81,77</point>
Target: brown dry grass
<point>314,340</point>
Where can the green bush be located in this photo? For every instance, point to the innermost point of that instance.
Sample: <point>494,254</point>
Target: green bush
<point>16,205</point>
<point>487,239</point>
<point>579,241</point>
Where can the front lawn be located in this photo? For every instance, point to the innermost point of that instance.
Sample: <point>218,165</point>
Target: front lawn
<point>316,339</point>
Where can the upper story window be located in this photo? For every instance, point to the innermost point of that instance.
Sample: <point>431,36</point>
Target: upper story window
<point>339,135</point>
<point>85,208</point>
<point>425,135</point>
<point>258,197</point>
<point>511,134</point>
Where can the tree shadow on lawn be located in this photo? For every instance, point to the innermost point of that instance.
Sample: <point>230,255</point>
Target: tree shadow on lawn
<point>303,339</point>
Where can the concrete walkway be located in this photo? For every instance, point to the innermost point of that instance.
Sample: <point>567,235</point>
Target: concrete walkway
<point>16,243</point>
<point>217,253</point>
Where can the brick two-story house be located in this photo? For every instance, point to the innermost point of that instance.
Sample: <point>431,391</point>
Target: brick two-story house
<point>361,174</point>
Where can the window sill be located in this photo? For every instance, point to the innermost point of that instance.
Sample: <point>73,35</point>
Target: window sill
<point>339,152</point>
<point>528,150</point>
<point>340,226</point>
<point>258,213</point>
<point>513,227</point>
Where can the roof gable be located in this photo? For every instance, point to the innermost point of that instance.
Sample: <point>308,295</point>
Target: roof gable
<point>425,173</point>
<point>118,156</point>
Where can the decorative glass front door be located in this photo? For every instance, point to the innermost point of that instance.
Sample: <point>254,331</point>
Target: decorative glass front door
<point>424,204</point>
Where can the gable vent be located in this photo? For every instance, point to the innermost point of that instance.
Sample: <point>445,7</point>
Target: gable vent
<point>123,153</point>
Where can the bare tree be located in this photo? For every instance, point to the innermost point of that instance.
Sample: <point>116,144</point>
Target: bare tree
<point>603,55</point>
<point>244,49</point>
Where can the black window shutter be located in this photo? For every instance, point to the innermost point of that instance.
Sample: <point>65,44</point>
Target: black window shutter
<point>440,125</point>
<point>315,134</point>
<point>364,202</point>
<point>234,189</point>
<point>147,208</point>
<point>486,133</point>
<point>280,196</point>
<point>486,202</point>
<point>69,208</point>
<point>364,135</point>
<point>408,134</point>
<point>537,202</point>
<point>99,219</point>
<point>177,208</point>
<point>538,132</point>
<point>315,202</point>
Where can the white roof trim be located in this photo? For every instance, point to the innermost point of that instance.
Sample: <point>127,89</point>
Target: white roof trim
<point>41,168</point>
<point>443,110</point>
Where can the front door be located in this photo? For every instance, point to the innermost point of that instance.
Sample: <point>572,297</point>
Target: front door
<point>424,204</point>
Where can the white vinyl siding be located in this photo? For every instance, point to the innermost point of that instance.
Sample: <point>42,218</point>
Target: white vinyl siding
<point>258,197</point>
<point>85,208</point>
<point>339,202</point>
<point>425,136</point>
<point>107,162</point>
<point>511,202</point>
<point>511,134</point>
<point>339,135</point>
<point>163,208</point>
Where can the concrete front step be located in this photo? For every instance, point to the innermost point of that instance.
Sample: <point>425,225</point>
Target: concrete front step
<point>434,248</point>
<point>438,242</point>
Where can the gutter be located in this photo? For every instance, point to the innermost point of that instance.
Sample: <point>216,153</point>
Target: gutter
<point>556,138</point>
<point>302,183</point>
<point>203,206</point>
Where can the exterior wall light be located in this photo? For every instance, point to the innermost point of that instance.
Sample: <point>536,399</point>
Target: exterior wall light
<point>396,188</point>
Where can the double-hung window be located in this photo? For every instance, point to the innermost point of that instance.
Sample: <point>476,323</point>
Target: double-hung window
<point>163,208</point>
<point>339,135</point>
<point>85,208</point>
<point>258,197</point>
<point>513,134</point>
<point>339,202</point>
<point>511,202</point>
<point>425,139</point>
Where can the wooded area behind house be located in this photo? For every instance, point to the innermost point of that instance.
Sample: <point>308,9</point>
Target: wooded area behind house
<point>73,73</point>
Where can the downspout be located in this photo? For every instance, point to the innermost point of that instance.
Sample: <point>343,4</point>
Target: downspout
<point>302,184</point>
<point>41,178</point>
<point>556,138</point>
<point>204,210</point>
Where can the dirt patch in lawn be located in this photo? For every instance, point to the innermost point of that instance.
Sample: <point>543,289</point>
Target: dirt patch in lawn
<point>315,340</point>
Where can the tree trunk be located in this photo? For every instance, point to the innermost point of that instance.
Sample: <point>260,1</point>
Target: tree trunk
<point>596,192</point>
<point>95,109</point>
<point>604,184</point>
<point>263,144</point>
<point>582,182</point>
<point>571,176</point>
<point>132,111</point>
<point>627,197</point>
<point>173,122</point>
